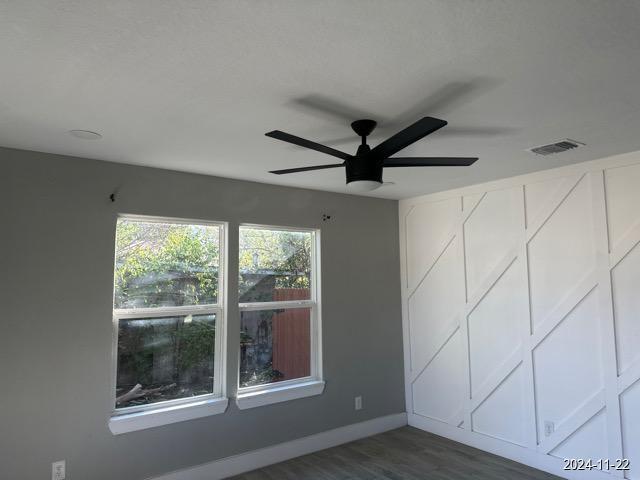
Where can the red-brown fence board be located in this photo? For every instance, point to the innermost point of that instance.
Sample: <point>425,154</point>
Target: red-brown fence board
<point>291,335</point>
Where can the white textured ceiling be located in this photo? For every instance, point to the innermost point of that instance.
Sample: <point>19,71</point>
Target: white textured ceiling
<point>193,85</point>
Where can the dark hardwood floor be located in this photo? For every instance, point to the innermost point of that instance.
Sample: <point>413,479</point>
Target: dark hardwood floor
<point>405,453</point>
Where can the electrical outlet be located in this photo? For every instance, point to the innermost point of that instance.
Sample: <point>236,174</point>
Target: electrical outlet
<point>358,402</point>
<point>58,470</point>
<point>549,428</point>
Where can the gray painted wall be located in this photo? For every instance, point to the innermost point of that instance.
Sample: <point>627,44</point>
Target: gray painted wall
<point>56,274</point>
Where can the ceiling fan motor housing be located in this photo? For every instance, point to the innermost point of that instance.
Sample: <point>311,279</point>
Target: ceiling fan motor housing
<point>364,166</point>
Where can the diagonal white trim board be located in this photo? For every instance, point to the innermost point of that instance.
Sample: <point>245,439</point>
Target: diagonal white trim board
<point>244,462</point>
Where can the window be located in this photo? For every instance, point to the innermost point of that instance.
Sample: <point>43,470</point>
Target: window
<point>168,314</point>
<point>279,312</point>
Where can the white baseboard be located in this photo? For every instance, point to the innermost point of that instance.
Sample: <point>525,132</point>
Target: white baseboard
<point>504,449</point>
<point>244,462</point>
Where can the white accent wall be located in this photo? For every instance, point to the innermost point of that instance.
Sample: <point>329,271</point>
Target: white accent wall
<point>521,314</point>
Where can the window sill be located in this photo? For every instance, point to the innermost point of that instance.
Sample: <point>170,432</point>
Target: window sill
<point>279,394</point>
<point>131,422</point>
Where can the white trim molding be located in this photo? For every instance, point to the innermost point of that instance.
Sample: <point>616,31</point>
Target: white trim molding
<point>157,417</point>
<point>276,394</point>
<point>245,462</point>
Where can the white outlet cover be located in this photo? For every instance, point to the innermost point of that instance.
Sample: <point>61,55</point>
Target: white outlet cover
<point>549,428</point>
<point>58,470</point>
<point>358,403</point>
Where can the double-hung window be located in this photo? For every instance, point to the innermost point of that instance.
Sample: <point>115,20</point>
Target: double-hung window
<point>168,322</point>
<point>280,346</point>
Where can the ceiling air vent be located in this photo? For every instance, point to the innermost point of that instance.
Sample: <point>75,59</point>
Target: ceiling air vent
<point>558,147</point>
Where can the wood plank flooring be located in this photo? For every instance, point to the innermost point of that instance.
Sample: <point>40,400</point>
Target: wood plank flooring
<point>403,454</point>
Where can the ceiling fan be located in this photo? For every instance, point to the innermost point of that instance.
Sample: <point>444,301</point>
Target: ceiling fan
<point>364,169</point>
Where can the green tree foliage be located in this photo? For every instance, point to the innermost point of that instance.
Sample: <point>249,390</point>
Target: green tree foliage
<point>165,265</point>
<point>161,264</point>
<point>282,258</point>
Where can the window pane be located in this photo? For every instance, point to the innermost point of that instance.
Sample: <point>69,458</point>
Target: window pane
<point>275,265</point>
<point>274,345</point>
<point>164,358</point>
<point>163,264</point>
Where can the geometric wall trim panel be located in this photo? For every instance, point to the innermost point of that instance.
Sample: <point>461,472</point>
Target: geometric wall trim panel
<point>623,198</point>
<point>537,194</point>
<point>530,316</point>
<point>469,202</point>
<point>630,409</point>
<point>503,413</point>
<point>625,278</point>
<point>489,232</point>
<point>495,326</point>
<point>567,365</point>
<point>433,307</point>
<point>588,442</point>
<point>562,252</point>
<point>429,226</point>
<point>439,389</point>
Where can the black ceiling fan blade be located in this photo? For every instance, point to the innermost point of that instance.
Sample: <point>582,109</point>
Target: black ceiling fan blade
<point>287,137</point>
<point>429,161</point>
<point>406,137</point>
<point>306,169</point>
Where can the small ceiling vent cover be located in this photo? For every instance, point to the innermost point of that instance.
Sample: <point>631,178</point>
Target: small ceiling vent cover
<point>558,147</point>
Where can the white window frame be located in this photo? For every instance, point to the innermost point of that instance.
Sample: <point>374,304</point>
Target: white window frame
<point>170,411</point>
<point>258,395</point>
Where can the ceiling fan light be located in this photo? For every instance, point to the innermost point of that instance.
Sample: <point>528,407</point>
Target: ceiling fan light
<point>363,185</point>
